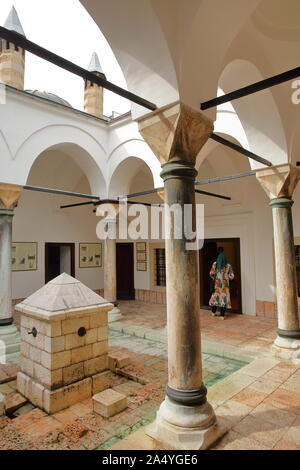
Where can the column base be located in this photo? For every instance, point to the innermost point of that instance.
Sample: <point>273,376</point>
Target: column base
<point>10,341</point>
<point>287,349</point>
<point>185,427</point>
<point>114,315</point>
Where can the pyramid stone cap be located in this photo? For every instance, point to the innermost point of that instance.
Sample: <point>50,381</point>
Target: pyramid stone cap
<point>95,65</point>
<point>61,298</point>
<point>13,22</point>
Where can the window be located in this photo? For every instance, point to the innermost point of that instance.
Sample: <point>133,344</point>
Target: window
<point>160,256</point>
<point>297,252</point>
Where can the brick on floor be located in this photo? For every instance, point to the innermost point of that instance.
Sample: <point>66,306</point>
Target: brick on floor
<point>42,427</point>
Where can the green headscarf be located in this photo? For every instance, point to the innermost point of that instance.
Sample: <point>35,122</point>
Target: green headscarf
<point>221,261</point>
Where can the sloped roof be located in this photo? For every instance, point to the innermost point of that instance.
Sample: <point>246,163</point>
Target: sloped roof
<point>62,294</point>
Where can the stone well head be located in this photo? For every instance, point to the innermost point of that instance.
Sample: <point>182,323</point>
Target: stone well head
<point>64,344</point>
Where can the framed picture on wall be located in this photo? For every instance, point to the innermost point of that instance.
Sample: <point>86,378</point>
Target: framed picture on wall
<point>140,266</point>
<point>24,256</point>
<point>141,246</point>
<point>141,256</point>
<point>90,255</point>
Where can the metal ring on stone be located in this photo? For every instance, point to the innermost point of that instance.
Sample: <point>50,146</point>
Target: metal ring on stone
<point>188,397</point>
<point>293,334</point>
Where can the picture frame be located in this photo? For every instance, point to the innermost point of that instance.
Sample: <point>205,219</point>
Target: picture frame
<point>90,255</point>
<point>141,256</point>
<point>141,266</point>
<point>24,256</point>
<point>141,246</point>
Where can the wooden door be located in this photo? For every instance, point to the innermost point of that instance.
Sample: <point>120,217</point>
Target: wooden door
<point>207,256</point>
<point>125,271</point>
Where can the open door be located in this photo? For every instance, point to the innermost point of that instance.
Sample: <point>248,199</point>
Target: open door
<point>125,271</point>
<point>59,258</point>
<point>207,256</point>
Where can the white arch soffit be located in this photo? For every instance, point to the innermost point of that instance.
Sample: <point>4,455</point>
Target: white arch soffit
<point>124,173</point>
<point>211,145</point>
<point>258,113</point>
<point>294,156</point>
<point>86,151</point>
<point>135,36</point>
<point>137,149</point>
<point>228,122</point>
<point>170,50</point>
<point>207,30</point>
<point>5,161</point>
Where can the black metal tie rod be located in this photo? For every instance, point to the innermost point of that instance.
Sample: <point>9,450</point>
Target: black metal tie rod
<point>61,192</point>
<point>206,193</point>
<point>66,206</point>
<point>238,148</point>
<point>55,59</point>
<point>254,88</point>
<point>152,191</point>
<point>107,201</point>
<point>202,182</point>
<point>225,178</point>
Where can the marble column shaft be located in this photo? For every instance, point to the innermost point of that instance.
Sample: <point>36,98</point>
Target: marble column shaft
<point>279,182</point>
<point>184,342</point>
<point>285,266</point>
<point>185,419</point>
<point>6,217</point>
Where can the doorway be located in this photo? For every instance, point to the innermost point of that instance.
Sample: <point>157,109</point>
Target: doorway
<point>59,258</point>
<point>207,256</point>
<point>125,272</point>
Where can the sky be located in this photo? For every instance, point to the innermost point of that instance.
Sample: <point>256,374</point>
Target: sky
<point>55,25</point>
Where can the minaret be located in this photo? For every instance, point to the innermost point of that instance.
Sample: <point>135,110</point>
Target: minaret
<point>93,94</point>
<point>12,57</point>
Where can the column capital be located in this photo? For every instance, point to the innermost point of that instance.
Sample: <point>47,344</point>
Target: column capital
<point>279,181</point>
<point>176,132</point>
<point>9,196</point>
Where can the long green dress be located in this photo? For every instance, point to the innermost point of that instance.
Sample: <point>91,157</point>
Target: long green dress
<point>221,294</point>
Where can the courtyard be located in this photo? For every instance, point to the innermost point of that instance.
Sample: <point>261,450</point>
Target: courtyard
<point>255,396</point>
<point>149,237</point>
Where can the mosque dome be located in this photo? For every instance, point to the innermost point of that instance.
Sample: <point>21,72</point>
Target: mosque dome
<point>49,96</point>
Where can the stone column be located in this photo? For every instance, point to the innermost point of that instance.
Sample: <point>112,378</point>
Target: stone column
<point>110,271</point>
<point>279,183</point>
<point>185,419</point>
<point>9,335</point>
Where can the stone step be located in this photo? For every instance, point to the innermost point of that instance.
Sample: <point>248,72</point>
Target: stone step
<point>109,403</point>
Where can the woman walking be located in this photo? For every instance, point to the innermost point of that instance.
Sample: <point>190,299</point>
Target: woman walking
<point>222,273</point>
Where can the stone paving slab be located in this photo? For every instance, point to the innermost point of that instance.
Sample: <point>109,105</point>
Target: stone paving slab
<point>252,335</point>
<point>269,421</point>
